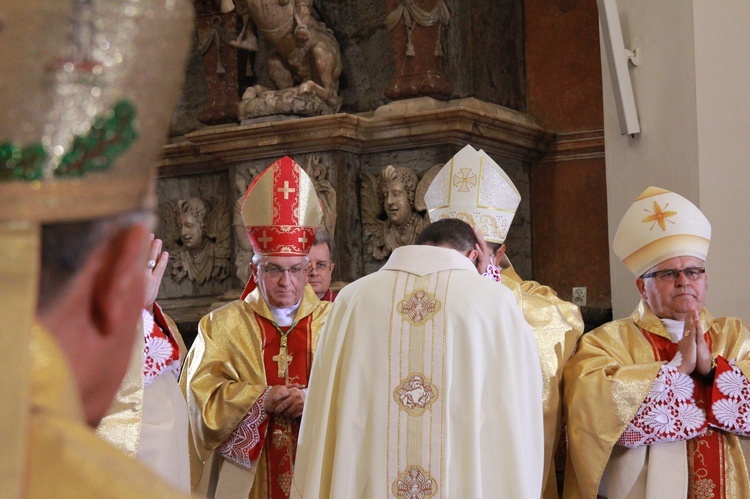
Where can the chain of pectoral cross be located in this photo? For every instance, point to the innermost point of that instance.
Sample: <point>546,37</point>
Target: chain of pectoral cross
<point>283,359</point>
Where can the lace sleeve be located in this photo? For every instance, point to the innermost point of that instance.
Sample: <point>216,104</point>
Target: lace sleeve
<point>668,414</point>
<point>244,444</point>
<point>730,399</point>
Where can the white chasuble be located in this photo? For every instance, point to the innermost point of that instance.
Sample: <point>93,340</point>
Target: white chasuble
<point>415,371</point>
<point>426,384</point>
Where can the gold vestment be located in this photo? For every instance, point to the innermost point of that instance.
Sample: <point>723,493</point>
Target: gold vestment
<point>607,380</point>
<point>66,459</point>
<point>557,325</point>
<point>224,373</point>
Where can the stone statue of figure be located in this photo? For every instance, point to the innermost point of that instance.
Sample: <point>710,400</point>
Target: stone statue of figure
<point>416,29</point>
<point>198,239</point>
<point>304,65</point>
<point>390,216</point>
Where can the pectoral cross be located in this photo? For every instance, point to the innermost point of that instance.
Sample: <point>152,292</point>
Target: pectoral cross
<point>283,359</point>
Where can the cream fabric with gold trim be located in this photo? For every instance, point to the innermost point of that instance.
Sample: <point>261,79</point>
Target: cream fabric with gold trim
<point>427,378</point>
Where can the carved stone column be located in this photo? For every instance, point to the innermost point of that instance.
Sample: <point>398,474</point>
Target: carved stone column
<point>416,30</point>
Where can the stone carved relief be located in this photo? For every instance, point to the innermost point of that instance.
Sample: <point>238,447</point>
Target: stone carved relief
<point>416,29</point>
<point>304,65</point>
<point>318,168</point>
<point>393,209</point>
<point>198,239</point>
<point>216,29</point>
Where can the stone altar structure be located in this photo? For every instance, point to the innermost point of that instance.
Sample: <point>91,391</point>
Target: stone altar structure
<point>365,136</point>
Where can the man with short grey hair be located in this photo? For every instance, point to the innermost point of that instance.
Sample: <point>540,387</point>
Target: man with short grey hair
<point>246,375</point>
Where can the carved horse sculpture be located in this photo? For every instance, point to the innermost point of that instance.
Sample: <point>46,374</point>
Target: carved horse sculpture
<point>314,65</point>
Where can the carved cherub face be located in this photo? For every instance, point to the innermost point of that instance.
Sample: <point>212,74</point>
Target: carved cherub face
<point>191,231</point>
<point>396,203</point>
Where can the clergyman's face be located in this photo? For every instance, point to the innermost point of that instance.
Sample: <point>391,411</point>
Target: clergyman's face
<point>281,289</point>
<point>673,300</point>
<point>191,232</point>
<point>396,203</point>
<point>318,276</point>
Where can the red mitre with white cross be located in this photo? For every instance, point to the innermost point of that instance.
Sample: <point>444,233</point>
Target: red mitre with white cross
<point>281,211</point>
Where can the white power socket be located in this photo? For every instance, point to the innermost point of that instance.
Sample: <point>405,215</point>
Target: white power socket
<point>579,296</point>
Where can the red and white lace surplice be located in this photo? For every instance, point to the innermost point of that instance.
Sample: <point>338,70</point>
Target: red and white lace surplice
<point>161,353</point>
<point>669,413</point>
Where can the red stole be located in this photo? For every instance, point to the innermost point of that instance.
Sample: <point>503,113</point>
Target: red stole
<point>706,452</point>
<point>281,448</point>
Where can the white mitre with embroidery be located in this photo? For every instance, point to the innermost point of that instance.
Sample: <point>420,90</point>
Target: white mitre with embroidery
<point>473,188</point>
<point>660,225</point>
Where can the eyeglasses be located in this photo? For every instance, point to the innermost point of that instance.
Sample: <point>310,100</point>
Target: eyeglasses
<point>320,267</point>
<point>275,271</point>
<point>671,275</point>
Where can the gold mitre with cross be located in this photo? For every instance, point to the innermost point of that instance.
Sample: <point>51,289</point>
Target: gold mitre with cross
<point>281,211</point>
<point>660,225</point>
<point>473,188</point>
<point>87,90</point>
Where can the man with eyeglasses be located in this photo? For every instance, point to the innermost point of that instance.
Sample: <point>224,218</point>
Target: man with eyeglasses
<point>658,404</point>
<point>321,266</point>
<point>246,375</point>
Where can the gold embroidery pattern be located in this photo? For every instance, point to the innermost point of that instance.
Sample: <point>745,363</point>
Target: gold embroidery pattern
<point>414,483</point>
<point>418,307</point>
<point>659,216</point>
<point>416,394</point>
<point>465,180</point>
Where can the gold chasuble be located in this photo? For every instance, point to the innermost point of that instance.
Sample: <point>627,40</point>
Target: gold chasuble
<point>426,384</point>
<point>237,355</point>
<point>66,458</point>
<point>606,383</point>
<point>557,325</point>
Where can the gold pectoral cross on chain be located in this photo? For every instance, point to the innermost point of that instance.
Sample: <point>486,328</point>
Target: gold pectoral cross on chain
<point>283,359</point>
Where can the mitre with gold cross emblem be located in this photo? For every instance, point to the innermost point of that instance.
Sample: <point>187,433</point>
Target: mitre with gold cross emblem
<point>473,188</point>
<point>281,211</point>
<point>660,225</point>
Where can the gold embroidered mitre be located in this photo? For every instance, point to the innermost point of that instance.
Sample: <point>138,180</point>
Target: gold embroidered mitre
<point>660,225</point>
<point>473,188</point>
<point>87,90</point>
<point>281,211</point>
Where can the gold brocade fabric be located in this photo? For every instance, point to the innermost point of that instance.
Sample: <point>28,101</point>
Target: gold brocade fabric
<point>557,325</point>
<point>66,459</point>
<point>608,378</point>
<point>121,427</point>
<point>223,374</point>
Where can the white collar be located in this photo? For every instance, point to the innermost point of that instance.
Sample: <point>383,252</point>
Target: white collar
<point>284,316</point>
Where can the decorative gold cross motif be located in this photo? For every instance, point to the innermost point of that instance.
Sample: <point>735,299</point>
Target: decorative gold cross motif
<point>283,360</point>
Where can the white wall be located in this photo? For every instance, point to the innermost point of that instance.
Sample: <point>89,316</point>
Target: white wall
<point>692,90</point>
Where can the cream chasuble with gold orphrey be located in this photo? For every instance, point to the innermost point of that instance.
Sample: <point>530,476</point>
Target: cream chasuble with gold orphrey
<point>426,384</point>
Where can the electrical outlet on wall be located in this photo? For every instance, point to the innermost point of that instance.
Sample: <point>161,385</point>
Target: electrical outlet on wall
<point>579,296</point>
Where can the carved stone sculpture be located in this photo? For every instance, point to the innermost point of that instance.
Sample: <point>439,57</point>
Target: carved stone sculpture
<point>198,239</point>
<point>315,167</point>
<point>416,31</point>
<point>392,214</point>
<point>304,65</point>
<point>217,31</point>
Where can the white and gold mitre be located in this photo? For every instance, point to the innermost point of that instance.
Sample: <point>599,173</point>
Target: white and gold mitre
<point>87,91</point>
<point>660,225</point>
<point>473,188</point>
